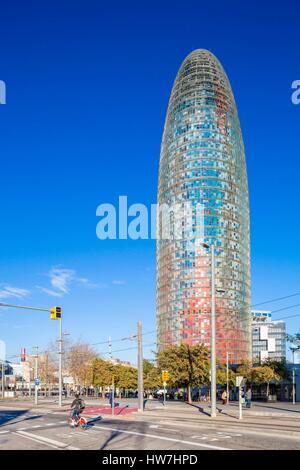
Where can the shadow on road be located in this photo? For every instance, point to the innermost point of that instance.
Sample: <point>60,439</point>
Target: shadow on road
<point>275,407</point>
<point>10,415</point>
<point>121,443</point>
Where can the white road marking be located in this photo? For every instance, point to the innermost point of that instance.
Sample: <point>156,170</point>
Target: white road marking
<point>37,426</point>
<point>3,432</point>
<point>35,440</point>
<point>46,440</point>
<point>163,438</point>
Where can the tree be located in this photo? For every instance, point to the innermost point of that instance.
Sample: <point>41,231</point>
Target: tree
<point>47,369</point>
<point>246,370</point>
<point>102,372</point>
<point>188,365</point>
<point>280,367</point>
<point>222,376</point>
<point>80,359</point>
<point>152,376</point>
<point>125,377</point>
<point>265,374</point>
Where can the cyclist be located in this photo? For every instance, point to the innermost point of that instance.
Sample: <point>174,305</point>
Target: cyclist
<point>77,407</point>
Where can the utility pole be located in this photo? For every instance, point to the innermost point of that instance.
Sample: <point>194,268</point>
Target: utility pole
<point>294,400</point>
<point>227,380</point>
<point>2,379</point>
<point>213,365</point>
<point>36,376</point>
<point>140,368</point>
<point>213,337</point>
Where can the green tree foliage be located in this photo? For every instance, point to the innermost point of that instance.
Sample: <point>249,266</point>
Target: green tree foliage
<point>102,372</point>
<point>188,365</point>
<point>246,370</point>
<point>125,377</point>
<point>222,376</point>
<point>265,374</point>
<point>280,368</point>
<point>152,376</point>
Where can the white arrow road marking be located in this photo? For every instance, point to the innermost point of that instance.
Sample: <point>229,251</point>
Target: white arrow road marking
<point>153,436</point>
<point>46,440</point>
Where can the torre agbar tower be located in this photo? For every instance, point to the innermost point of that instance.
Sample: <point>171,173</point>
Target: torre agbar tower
<point>202,164</point>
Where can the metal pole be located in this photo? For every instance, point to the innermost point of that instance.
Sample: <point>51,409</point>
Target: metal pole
<point>240,403</point>
<point>36,377</point>
<point>213,338</point>
<point>113,399</point>
<point>60,364</point>
<point>2,379</point>
<point>29,382</point>
<point>294,401</point>
<point>227,380</point>
<point>140,368</point>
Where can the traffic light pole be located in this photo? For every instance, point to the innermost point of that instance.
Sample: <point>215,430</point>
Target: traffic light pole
<point>55,313</point>
<point>60,364</point>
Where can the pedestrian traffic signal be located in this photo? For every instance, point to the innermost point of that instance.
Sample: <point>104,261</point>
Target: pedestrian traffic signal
<point>165,376</point>
<point>55,313</point>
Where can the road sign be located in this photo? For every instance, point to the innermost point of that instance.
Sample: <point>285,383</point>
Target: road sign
<point>238,380</point>
<point>37,382</point>
<point>165,376</point>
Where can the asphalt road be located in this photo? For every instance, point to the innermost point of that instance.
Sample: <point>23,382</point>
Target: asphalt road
<point>22,428</point>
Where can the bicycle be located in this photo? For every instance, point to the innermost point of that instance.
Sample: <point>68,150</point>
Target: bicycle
<point>81,422</point>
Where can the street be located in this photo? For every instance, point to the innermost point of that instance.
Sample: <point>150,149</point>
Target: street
<point>177,427</point>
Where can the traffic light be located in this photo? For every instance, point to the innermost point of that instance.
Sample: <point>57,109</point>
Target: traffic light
<point>55,313</point>
<point>165,376</point>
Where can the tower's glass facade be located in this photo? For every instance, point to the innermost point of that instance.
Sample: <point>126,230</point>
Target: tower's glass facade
<point>202,162</point>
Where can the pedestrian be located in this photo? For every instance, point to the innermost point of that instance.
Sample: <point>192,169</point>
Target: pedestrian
<point>248,398</point>
<point>224,397</point>
<point>110,397</point>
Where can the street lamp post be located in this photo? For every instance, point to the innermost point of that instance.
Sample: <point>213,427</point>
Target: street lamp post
<point>36,377</point>
<point>294,400</point>
<point>213,384</point>
<point>2,379</point>
<point>213,381</point>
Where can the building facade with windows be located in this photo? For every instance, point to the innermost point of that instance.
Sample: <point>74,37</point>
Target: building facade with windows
<point>268,337</point>
<point>203,188</point>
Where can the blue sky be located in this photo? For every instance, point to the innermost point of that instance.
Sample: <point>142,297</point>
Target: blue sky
<point>87,90</point>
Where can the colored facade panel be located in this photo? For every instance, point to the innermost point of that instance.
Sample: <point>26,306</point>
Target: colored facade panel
<point>202,163</point>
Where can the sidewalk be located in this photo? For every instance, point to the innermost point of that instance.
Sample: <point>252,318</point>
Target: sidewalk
<point>279,409</point>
